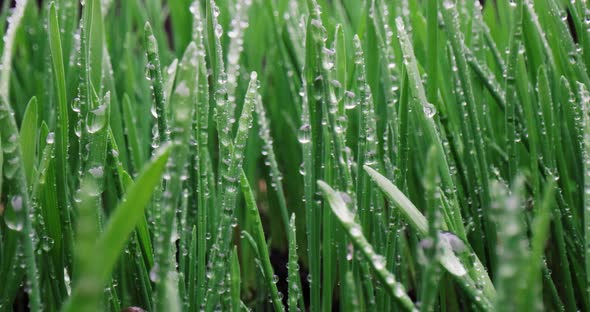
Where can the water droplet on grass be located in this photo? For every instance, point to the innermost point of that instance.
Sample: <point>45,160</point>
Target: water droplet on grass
<point>13,216</point>
<point>50,138</point>
<point>304,136</point>
<point>96,172</point>
<point>429,110</point>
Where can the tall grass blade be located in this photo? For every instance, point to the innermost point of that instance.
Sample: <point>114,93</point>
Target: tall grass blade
<point>258,234</point>
<point>395,289</point>
<point>86,294</point>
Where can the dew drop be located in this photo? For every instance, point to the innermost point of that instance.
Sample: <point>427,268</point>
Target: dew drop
<point>96,172</point>
<point>429,110</point>
<point>50,138</point>
<point>304,136</point>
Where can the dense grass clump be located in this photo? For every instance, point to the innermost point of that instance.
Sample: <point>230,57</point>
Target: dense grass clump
<point>319,155</point>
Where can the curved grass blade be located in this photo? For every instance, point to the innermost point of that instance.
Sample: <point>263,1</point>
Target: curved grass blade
<point>395,289</point>
<point>86,294</point>
<point>28,139</point>
<point>414,216</point>
<point>18,213</point>
<point>14,22</point>
<point>448,258</point>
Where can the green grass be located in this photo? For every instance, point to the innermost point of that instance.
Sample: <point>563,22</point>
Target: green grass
<point>316,155</point>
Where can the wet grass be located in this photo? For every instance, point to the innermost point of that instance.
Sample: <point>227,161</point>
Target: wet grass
<point>304,155</point>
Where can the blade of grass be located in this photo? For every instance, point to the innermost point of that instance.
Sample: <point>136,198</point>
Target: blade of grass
<point>86,295</point>
<point>14,22</point>
<point>17,215</point>
<point>62,126</point>
<point>476,144</point>
<point>268,151</point>
<point>417,89</point>
<point>218,256</point>
<point>181,106</point>
<point>202,172</point>
<point>532,269</point>
<point>258,234</point>
<point>395,289</point>
<point>235,279</point>
<point>28,139</point>
<point>155,73</point>
<point>295,292</point>
<point>511,237</point>
<point>448,259</point>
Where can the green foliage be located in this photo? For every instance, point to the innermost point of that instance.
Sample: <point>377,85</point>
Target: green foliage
<point>229,155</point>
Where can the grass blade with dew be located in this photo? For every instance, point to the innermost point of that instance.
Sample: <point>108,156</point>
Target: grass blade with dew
<point>218,255</point>
<point>395,289</point>
<point>476,144</point>
<point>168,77</point>
<point>295,291</point>
<point>1,166</point>
<point>181,106</point>
<point>86,294</point>
<point>213,35</point>
<point>133,139</point>
<point>61,137</point>
<point>352,301</point>
<point>235,279</point>
<point>17,216</point>
<point>417,89</point>
<point>193,281</point>
<point>258,234</point>
<point>239,23</point>
<point>448,259</point>
<point>271,160</point>
<point>532,269</point>
<point>202,171</point>
<point>414,216</point>
<point>432,275</point>
<point>509,86</point>
<point>585,103</point>
<point>309,137</point>
<point>511,237</point>
<point>221,113</point>
<point>28,138</point>
<point>97,132</point>
<point>432,47</point>
<point>421,91</point>
<point>154,70</point>
<point>366,152</point>
<point>14,22</point>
